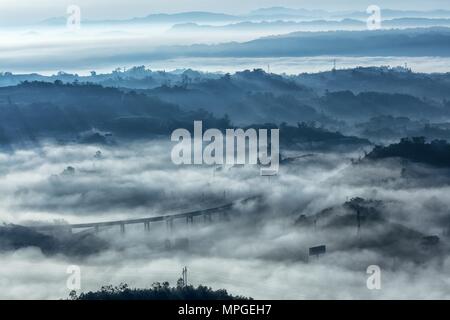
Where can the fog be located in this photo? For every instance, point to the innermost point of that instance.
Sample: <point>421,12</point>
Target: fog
<point>47,50</point>
<point>259,251</point>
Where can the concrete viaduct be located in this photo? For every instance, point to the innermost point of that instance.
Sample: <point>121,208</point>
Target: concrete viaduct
<point>188,216</point>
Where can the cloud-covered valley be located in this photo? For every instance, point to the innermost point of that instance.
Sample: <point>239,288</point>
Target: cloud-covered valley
<point>261,251</point>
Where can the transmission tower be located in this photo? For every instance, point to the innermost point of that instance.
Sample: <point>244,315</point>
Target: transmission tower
<point>184,276</point>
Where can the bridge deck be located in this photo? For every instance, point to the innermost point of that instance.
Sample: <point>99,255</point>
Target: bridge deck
<point>208,211</point>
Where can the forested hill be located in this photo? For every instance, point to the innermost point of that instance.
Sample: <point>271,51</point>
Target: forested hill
<point>435,153</point>
<point>89,113</point>
<point>35,110</point>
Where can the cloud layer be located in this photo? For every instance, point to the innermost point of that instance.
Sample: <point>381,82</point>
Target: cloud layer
<point>259,252</point>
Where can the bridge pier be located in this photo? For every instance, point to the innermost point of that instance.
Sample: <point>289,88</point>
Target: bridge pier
<point>169,224</point>
<point>147,226</point>
<point>97,229</point>
<point>189,219</point>
<point>122,228</point>
<point>225,216</point>
<point>207,217</point>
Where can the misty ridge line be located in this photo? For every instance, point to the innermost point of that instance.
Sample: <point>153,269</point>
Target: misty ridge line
<point>190,150</point>
<point>262,14</point>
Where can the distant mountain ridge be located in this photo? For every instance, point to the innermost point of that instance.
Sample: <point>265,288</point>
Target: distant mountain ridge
<point>281,26</point>
<point>388,13</point>
<point>182,17</point>
<point>405,42</point>
<point>262,14</point>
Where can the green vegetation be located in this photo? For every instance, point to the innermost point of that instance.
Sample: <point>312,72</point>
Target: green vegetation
<point>416,149</point>
<point>159,291</point>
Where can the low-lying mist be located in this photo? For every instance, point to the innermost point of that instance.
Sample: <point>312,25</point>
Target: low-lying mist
<point>259,249</point>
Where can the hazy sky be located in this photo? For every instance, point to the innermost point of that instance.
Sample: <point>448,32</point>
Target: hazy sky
<point>20,11</point>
